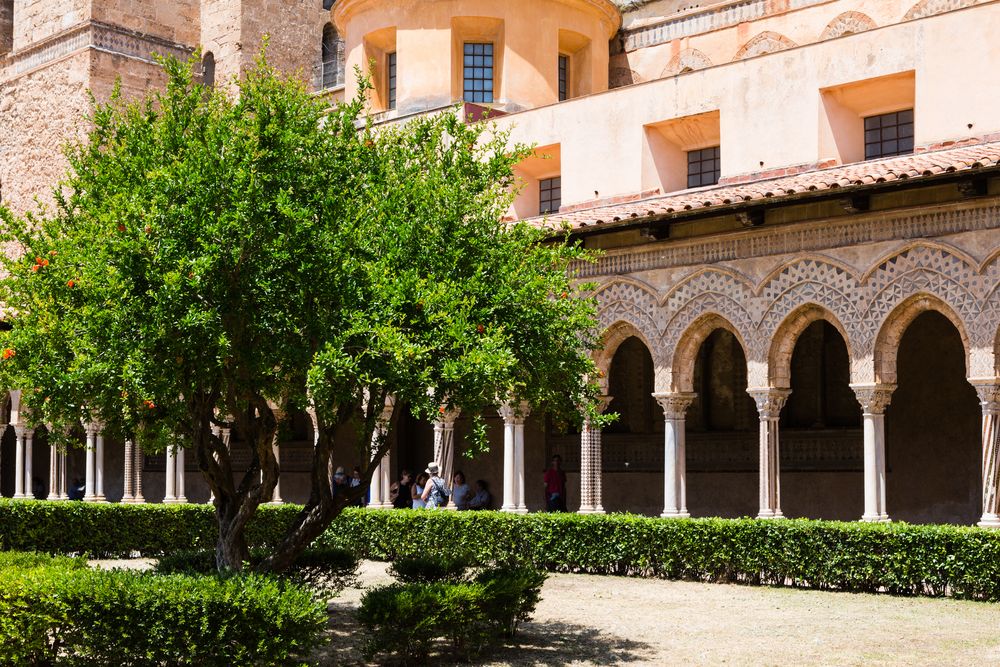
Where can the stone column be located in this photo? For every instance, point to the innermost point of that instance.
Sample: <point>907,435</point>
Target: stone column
<point>53,472</point>
<point>170,477</point>
<point>129,482</point>
<point>19,433</point>
<point>276,496</point>
<point>591,465</point>
<point>874,399</point>
<point>181,476</point>
<point>99,469</point>
<point>769,404</point>
<point>138,465</point>
<point>522,413</point>
<point>507,413</point>
<point>63,481</point>
<point>382,477</point>
<point>444,444</point>
<point>89,493</point>
<point>29,472</point>
<point>675,406</point>
<point>989,397</point>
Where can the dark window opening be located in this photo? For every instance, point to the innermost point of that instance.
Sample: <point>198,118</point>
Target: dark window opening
<point>563,78</point>
<point>391,80</point>
<point>704,167</point>
<point>333,58</point>
<point>327,4</point>
<point>208,70</point>
<point>889,134</point>
<point>549,195</point>
<point>477,79</point>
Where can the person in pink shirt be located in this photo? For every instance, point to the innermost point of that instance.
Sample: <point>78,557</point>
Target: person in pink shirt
<point>555,486</point>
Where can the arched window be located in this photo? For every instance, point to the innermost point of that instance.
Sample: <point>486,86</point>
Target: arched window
<point>333,58</point>
<point>208,70</point>
<point>328,4</point>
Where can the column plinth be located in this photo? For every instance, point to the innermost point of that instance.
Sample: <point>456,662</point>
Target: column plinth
<point>769,402</point>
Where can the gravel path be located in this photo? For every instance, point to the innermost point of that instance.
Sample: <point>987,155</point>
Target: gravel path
<point>590,620</point>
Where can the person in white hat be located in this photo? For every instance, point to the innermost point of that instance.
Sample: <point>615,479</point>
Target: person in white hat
<point>435,492</point>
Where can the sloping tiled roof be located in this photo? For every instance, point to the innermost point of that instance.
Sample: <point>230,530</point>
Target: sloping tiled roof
<point>909,167</point>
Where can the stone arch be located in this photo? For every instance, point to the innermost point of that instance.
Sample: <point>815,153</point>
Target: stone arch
<point>779,357</point>
<point>686,61</point>
<point>926,8</point>
<point>895,325</point>
<point>630,301</point>
<point>686,352</point>
<point>848,23</point>
<point>614,336</point>
<point>765,42</point>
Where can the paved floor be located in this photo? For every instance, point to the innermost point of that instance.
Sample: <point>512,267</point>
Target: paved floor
<point>589,620</point>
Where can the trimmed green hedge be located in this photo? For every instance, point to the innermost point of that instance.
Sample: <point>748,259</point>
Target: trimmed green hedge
<point>896,557</point>
<point>60,612</point>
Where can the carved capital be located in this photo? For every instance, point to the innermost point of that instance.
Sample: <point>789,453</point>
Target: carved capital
<point>675,404</point>
<point>874,398</point>
<point>989,395</point>
<point>93,428</point>
<point>22,430</point>
<point>507,412</point>
<point>446,417</point>
<point>769,401</point>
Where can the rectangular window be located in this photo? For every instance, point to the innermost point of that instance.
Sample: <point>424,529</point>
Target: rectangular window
<point>391,80</point>
<point>549,195</point>
<point>563,78</point>
<point>477,79</point>
<point>889,134</point>
<point>704,167</point>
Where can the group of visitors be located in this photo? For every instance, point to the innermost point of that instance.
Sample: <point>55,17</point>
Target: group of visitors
<point>427,490</point>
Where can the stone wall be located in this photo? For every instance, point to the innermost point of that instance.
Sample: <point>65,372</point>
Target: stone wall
<point>35,20</point>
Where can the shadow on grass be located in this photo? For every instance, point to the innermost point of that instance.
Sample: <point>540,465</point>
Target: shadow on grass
<point>537,643</point>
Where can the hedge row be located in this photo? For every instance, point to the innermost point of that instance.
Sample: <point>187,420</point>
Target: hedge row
<point>61,612</point>
<point>896,558</point>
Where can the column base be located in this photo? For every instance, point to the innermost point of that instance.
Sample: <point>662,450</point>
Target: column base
<point>675,514</point>
<point>990,521</point>
<point>274,502</point>
<point>770,514</point>
<point>94,499</point>
<point>171,501</point>
<point>510,509</point>
<point>876,518</point>
<point>591,510</point>
<point>53,496</point>
<point>132,501</point>
<point>521,510</point>
<point>20,496</point>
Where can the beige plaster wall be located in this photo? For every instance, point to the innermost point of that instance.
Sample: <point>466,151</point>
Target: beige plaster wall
<point>526,33</point>
<point>770,107</point>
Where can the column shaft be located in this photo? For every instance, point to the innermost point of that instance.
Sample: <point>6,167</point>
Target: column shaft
<point>509,472</point>
<point>989,396</point>
<point>519,501</point>
<point>276,496</point>
<point>89,482</point>
<point>19,462</point>
<point>99,467</point>
<point>139,463</point>
<point>874,399</point>
<point>29,472</point>
<point>181,478</point>
<point>53,473</point>
<point>675,406</point>
<point>63,480</point>
<point>769,403</point>
<point>170,477</point>
<point>127,484</point>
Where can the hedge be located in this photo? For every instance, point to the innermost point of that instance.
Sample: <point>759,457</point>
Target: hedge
<point>61,613</point>
<point>896,557</point>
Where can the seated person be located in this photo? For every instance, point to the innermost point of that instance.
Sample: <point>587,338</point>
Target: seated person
<point>481,500</point>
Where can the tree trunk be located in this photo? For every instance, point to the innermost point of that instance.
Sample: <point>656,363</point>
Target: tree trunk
<point>231,550</point>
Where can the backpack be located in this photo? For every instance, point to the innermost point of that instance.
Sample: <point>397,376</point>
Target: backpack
<point>438,497</point>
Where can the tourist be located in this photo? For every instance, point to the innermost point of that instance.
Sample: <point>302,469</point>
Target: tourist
<point>417,494</point>
<point>404,497</point>
<point>435,492</point>
<point>340,483</point>
<point>481,500</point>
<point>555,486</point>
<point>461,494</point>
<point>355,481</point>
<point>76,489</point>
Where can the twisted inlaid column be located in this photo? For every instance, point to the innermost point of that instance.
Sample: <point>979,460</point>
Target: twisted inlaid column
<point>874,399</point>
<point>769,404</point>
<point>444,444</point>
<point>989,398</point>
<point>592,464</point>
<point>53,471</point>
<point>129,482</point>
<point>675,406</point>
<point>139,464</point>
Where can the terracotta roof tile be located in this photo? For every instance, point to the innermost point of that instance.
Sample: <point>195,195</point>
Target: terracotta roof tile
<point>919,165</point>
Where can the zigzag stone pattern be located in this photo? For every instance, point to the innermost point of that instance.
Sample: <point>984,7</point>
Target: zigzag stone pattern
<point>871,309</point>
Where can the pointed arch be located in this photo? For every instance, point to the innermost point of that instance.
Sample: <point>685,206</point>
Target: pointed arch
<point>779,357</point>
<point>848,23</point>
<point>765,42</point>
<point>687,60</point>
<point>685,354</point>
<point>613,337</point>
<point>895,325</point>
